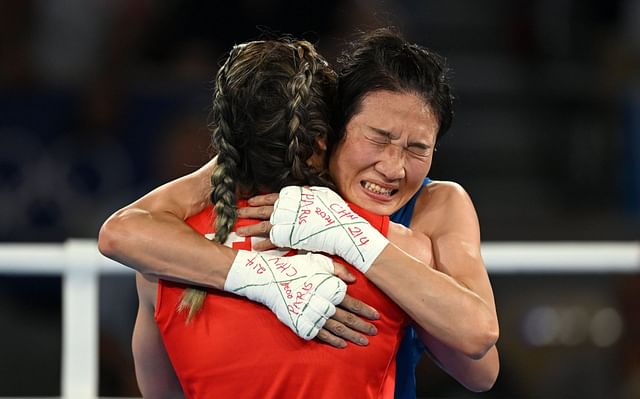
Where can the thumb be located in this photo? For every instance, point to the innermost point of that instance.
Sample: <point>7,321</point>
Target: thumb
<point>342,273</point>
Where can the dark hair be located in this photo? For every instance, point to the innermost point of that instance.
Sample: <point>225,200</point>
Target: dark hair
<point>383,60</point>
<point>272,101</point>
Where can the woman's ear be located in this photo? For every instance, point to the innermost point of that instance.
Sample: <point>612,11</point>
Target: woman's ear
<point>321,143</point>
<point>316,160</point>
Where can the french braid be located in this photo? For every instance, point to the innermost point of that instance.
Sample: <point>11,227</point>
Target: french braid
<point>301,111</point>
<point>298,89</point>
<point>223,195</point>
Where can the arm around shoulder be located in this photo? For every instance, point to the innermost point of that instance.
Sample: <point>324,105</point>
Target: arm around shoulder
<point>452,301</point>
<point>150,234</point>
<point>179,199</point>
<point>446,213</point>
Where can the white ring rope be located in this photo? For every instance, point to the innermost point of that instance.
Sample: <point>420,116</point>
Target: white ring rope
<point>500,257</point>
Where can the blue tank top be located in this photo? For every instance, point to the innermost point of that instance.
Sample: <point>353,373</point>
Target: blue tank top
<point>411,347</point>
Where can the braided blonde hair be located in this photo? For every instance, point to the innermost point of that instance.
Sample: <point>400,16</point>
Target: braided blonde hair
<point>271,103</point>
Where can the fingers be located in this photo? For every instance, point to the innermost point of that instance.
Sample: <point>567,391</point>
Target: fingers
<point>326,336</point>
<point>352,322</point>
<point>341,272</point>
<point>359,308</point>
<point>263,245</point>
<point>256,212</point>
<point>259,229</point>
<point>341,331</point>
<point>344,327</point>
<point>262,200</point>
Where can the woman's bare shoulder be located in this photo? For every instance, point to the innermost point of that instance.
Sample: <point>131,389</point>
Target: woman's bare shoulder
<point>415,243</point>
<point>439,203</point>
<point>441,190</point>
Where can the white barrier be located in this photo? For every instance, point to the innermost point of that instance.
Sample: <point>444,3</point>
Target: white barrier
<point>80,264</point>
<point>561,257</point>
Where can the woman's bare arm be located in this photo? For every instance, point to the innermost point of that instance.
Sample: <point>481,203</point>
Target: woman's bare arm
<point>452,303</point>
<point>154,372</point>
<point>150,234</point>
<point>475,374</point>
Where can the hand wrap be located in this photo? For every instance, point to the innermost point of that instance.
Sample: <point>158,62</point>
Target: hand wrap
<point>317,219</point>
<point>301,290</point>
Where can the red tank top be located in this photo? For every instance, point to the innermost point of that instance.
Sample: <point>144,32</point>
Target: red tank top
<point>235,348</point>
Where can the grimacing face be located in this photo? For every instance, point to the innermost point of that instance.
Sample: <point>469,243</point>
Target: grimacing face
<point>386,152</point>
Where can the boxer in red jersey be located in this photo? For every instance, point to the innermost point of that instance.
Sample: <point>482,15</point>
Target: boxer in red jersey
<point>213,361</point>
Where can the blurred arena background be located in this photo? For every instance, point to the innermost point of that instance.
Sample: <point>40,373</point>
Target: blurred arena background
<point>100,101</point>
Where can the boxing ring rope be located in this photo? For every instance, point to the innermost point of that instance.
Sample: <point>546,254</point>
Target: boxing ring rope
<point>80,264</point>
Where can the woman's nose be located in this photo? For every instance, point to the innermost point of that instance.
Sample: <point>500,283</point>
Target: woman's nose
<point>391,162</point>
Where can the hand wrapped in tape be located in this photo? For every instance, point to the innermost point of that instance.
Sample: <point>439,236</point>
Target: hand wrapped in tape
<point>301,290</point>
<point>317,219</point>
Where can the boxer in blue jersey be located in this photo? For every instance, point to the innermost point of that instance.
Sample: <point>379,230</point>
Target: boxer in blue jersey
<point>411,348</point>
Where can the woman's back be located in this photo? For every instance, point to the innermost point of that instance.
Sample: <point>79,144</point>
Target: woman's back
<point>236,348</point>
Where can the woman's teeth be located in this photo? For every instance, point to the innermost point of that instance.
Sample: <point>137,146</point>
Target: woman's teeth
<point>376,188</point>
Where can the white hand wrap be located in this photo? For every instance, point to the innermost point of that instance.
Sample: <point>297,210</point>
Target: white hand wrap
<point>317,219</point>
<point>301,290</point>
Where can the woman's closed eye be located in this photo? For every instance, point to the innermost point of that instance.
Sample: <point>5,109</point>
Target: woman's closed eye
<point>378,140</point>
<point>419,149</point>
<point>380,137</point>
<point>416,149</point>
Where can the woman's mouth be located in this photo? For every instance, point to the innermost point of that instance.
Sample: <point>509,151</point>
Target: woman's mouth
<point>376,189</point>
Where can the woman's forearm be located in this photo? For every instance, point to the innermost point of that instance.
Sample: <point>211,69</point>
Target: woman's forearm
<point>151,236</point>
<point>477,375</point>
<point>163,245</point>
<point>449,311</point>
